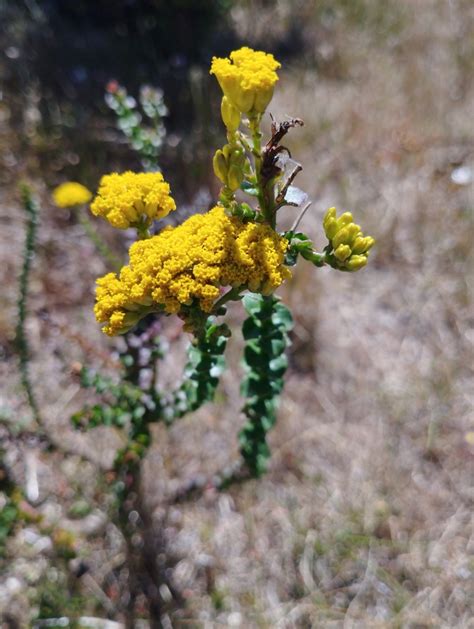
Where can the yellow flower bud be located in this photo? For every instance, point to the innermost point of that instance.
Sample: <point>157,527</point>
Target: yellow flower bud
<point>345,219</point>
<point>362,244</point>
<point>235,176</point>
<point>342,252</point>
<point>230,114</point>
<point>227,151</point>
<point>329,217</point>
<point>237,157</point>
<point>346,235</point>
<point>349,245</point>
<point>331,228</point>
<point>219,164</point>
<point>355,263</point>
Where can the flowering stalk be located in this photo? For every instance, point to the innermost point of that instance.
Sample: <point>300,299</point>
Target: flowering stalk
<point>211,259</point>
<point>232,252</point>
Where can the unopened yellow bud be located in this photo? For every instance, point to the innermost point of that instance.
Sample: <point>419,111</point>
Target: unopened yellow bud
<point>362,244</point>
<point>230,114</point>
<point>235,176</point>
<point>331,228</point>
<point>349,245</point>
<point>329,216</point>
<point>237,158</point>
<point>346,235</point>
<point>342,252</point>
<point>355,263</point>
<point>219,164</point>
<point>345,219</point>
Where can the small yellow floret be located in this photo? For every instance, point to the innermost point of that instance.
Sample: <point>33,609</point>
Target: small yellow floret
<point>70,194</point>
<point>190,264</point>
<point>247,78</point>
<point>133,199</point>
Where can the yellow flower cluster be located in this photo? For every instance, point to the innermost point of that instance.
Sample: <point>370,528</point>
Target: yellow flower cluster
<point>70,194</point>
<point>188,265</point>
<point>247,78</point>
<point>350,246</point>
<point>133,199</point>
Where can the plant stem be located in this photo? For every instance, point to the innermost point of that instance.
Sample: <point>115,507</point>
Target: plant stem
<point>32,210</point>
<point>265,197</point>
<point>143,232</point>
<point>232,294</point>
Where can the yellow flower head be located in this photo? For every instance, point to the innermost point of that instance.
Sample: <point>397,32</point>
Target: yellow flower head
<point>247,78</point>
<point>132,199</point>
<point>188,265</point>
<point>70,194</point>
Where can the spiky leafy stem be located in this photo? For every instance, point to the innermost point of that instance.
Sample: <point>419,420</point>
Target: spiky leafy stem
<point>126,403</point>
<point>266,334</point>
<point>31,207</point>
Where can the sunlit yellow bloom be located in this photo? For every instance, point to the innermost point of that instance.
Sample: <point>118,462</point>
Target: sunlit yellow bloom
<point>247,78</point>
<point>188,265</point>
<point>350,246</point>
<point>132,199</point>
<point>70,194</point>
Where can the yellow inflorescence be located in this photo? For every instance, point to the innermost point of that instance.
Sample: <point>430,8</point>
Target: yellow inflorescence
<point>132,199</point>
<point>189,264</point>
<point>247,78</point>
<point>350,246</point>
<point>70,194</point>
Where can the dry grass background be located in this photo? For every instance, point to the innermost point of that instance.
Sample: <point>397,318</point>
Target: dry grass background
<point>365,518</point>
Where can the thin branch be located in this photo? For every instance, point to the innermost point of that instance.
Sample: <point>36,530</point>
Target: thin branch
<point>300,216</point>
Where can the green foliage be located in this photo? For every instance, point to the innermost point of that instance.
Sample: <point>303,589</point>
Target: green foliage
<point>201,373</point>
<point>54,601</point>
<point>147,141</point>
<point>9,512</point>
<point>300,244</point>
<point>129,406</point>
<point>9,515</point>
<point>124,403</point>
<point>31,208</point>
<point>266,334</point>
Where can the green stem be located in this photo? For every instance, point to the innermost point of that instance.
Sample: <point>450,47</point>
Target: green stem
<point>142,231</point>
<point>32,210</point>
<point>231,295</point>
<point>99,244</point>
<point>246,144</point>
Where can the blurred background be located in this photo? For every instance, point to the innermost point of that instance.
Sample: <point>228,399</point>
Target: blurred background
<point>364,519</point>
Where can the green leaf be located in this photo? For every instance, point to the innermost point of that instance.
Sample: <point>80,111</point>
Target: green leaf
<point>251,328</point>
<point>252,303</point>
<point>279,365</point>
<point>282,317</point>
